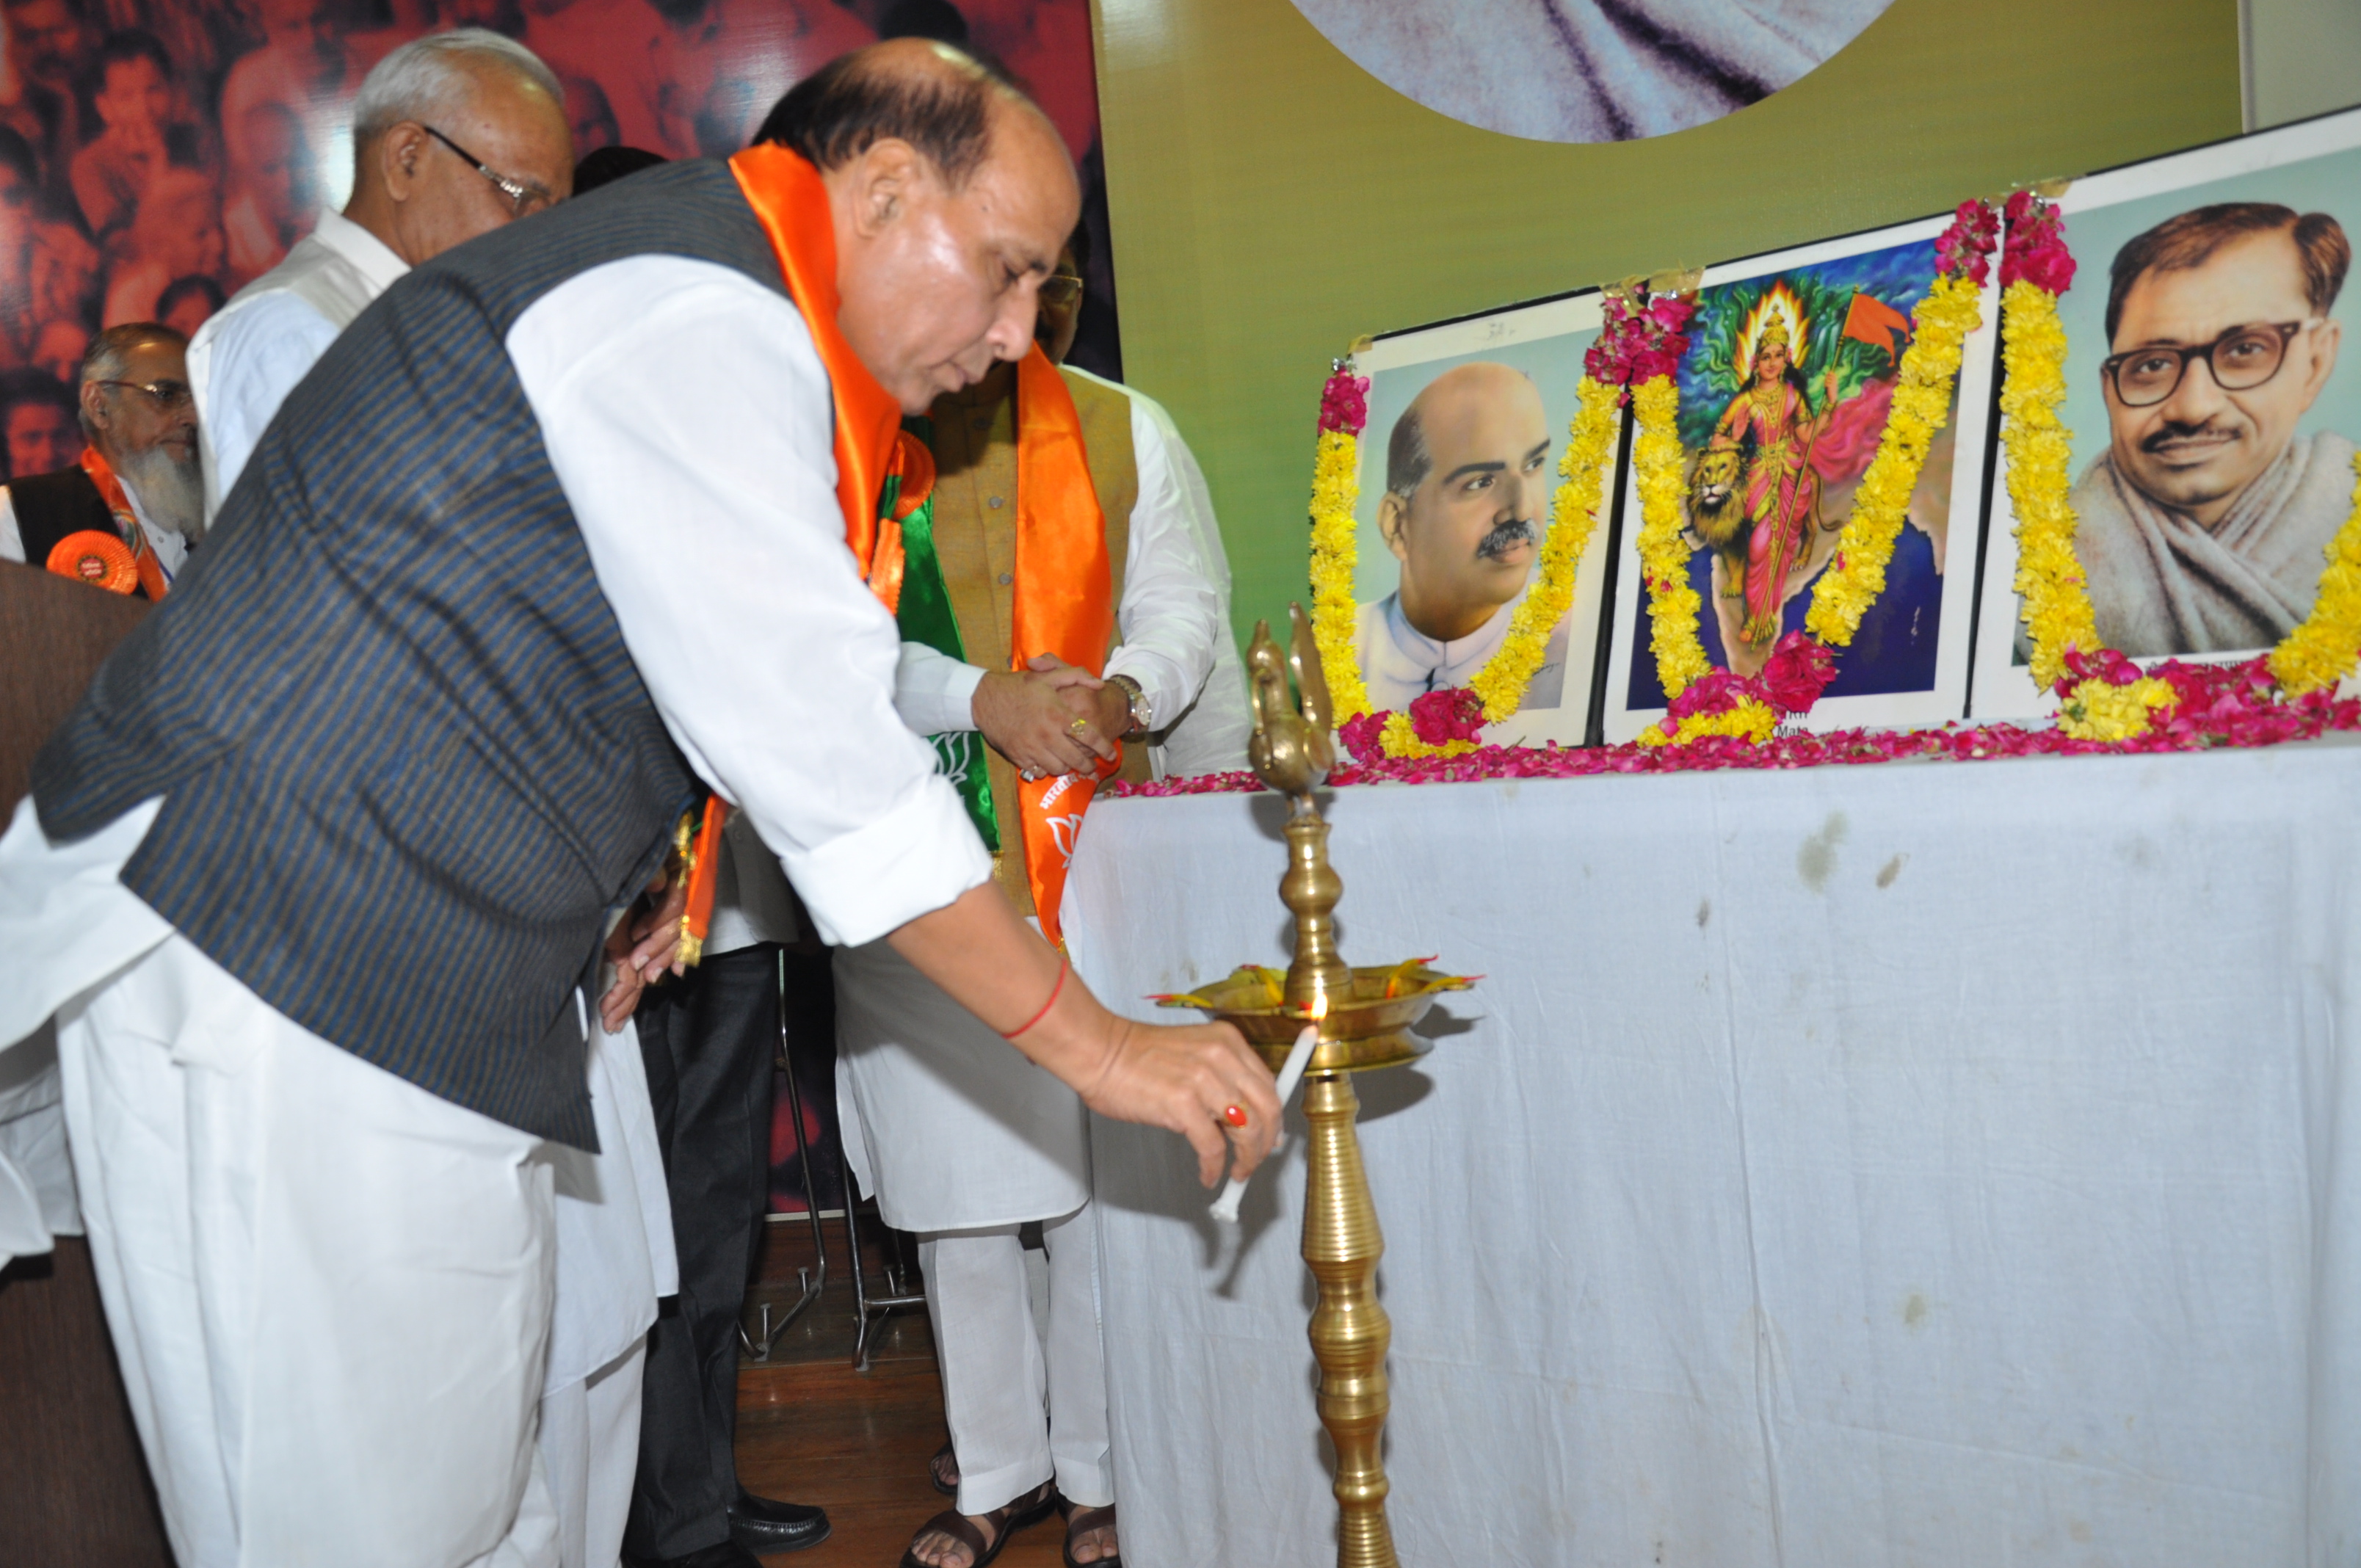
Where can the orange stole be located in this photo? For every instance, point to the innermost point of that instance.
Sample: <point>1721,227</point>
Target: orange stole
<point>789,198</point>
<point>791,202</point>
<point>1063,604</point>
<point>143,559</point>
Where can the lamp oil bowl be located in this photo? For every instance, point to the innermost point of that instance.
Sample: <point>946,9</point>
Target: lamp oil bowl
<point>1365,1018</point>
<point>1367,1024</point>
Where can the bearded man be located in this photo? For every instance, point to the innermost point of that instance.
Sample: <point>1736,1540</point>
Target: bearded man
<point>1468,482</point>
<point>319,939</point>
<point>137,478</point>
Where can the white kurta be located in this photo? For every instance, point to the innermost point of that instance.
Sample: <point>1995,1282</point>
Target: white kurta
<point>250,353</point>
<point>619,365</point>
<point>946,1122</point>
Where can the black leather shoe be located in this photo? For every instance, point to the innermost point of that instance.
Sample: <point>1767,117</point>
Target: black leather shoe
<point>764,1524</point>
<point>725,1554</point>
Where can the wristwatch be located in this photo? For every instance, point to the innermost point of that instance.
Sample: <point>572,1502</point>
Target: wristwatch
<point>1140,713</point>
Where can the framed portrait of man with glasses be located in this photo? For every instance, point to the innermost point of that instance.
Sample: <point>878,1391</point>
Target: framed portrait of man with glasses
<point>2213,416</point>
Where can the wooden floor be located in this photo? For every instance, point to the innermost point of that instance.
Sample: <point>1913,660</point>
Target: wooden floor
<point>812,1429</point>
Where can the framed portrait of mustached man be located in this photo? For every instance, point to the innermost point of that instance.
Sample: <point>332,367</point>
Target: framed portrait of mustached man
<point>1784,394</point>
<point>2213,412</point>
<point>1467,425</point>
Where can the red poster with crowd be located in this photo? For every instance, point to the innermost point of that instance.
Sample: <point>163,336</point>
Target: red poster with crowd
<point>157,155</point>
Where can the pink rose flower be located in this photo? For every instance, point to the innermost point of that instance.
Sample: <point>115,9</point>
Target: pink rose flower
<point>1451,714</point>
<point>1799,670</point>
<point>1343,403</point>
<point>1365,736</point>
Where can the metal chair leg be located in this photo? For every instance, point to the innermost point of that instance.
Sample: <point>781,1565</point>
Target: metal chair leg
<point>811,1284</point>
<point>867,1308</point>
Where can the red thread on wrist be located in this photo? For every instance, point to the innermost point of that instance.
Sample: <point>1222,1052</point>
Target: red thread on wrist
<point>1064,965</point>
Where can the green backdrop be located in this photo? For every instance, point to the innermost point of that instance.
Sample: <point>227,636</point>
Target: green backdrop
<point>1272,201</point>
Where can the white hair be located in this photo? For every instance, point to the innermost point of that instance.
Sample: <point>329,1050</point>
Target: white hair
<point>426,79</point>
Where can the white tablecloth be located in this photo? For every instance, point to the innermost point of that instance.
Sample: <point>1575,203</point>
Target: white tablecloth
<point>1929,1164</point>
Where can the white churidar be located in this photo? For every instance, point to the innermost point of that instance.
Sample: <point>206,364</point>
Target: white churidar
<point>291,1391</point>
<point>1951,1164</point>
<point>996,1378</point>
<point>589,1447</point>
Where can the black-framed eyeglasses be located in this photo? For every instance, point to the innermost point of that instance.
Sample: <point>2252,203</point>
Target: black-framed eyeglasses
<point>2240,359</point>
<point>1060,288</point>
<point>523,198</point>
<point>169,396</point>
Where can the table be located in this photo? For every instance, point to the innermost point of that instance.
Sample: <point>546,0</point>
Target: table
<point>1930,1163</point>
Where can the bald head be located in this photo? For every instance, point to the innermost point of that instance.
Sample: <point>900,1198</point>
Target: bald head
<point>413,186</point>
<point>1467,488</point>
<point>951,193</point>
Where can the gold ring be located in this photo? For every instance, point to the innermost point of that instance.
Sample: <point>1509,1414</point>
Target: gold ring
<point>1079,725</point>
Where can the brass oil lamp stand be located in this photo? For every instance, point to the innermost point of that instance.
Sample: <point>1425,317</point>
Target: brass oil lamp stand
<point>1363,1017</point>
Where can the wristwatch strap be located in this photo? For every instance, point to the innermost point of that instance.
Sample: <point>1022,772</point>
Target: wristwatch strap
<point>1140,713</point>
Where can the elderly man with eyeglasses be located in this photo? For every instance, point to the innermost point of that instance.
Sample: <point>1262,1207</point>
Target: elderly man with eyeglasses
<point>454,135</point>
<point>136,483</point>
<point>2203,526</point>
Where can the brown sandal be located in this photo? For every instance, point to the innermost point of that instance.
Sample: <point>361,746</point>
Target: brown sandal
<point>936,1467</point>
<point>1006,1520</point>
<point>1078,1521</point>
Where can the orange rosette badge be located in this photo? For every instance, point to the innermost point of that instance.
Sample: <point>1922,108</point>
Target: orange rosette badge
<point>99,559</point>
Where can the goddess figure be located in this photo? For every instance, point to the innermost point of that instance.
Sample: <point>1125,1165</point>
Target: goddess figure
<point>1781,493</point>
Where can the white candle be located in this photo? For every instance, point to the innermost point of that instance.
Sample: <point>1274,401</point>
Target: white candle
<point>1225,1207</point>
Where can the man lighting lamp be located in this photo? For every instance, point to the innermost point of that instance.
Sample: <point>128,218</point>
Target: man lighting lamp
<point>318,937</point>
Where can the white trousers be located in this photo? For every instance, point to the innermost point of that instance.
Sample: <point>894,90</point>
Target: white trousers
<point>329,1290</point>
<point>1009,1437</point>
<point>591,1449</point>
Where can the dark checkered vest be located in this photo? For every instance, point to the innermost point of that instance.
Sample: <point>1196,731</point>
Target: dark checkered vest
<point>407,763</point>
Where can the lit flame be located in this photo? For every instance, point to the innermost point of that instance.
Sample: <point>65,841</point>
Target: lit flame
<point>1319,1009</point>
<point>1777,300</point>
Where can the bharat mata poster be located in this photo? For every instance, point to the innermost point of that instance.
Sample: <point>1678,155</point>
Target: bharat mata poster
<point>1784,393</point>
<point>1467,423</point>
<point>2212,414</point>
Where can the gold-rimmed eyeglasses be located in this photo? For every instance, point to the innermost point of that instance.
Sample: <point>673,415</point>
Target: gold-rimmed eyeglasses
<point>1060,288</point>
<point>523,197</point>
<point>169,396</point>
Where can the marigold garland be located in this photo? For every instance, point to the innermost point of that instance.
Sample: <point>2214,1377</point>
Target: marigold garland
<point>1500,684</point>
<point>2325,649</point>
<point>1748,720</point>
<point>1335,490</point>
<point>1673,604</point>
<point>1921,405</point>
<point>1574,517</point>
<point>2048,575</point>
